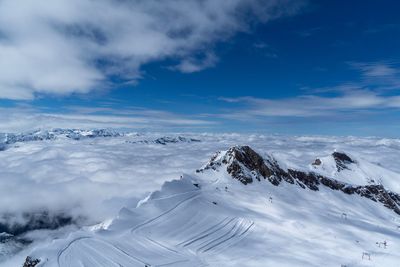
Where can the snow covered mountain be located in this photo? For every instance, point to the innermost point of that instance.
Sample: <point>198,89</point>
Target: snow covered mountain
<point>244,209</point>
<point>40,135</point>
<point>245,165</point>
<point>7,139</point>
<point>166,140</point>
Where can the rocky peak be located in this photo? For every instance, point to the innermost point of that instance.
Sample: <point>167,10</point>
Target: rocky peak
<point>342,160</point>
<point>245,165</point>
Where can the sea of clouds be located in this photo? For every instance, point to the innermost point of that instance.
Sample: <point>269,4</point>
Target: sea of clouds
<point>91,179</point>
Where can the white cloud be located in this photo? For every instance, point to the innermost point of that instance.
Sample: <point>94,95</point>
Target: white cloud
<point>372,90</point>
<point>376,69</point>
<point>260,45</point>
<point>73,46</point>
<point>190,65</point>
<point>310,105</point>
<point>26,119</point>
<point>379,76</point>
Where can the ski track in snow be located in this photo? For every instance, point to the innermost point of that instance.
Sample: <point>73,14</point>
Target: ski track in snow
<point>222,235</point>
<point>134,229</point>
<point>134,232</point>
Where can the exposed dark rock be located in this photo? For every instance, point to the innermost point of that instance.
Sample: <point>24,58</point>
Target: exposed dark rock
<point>342,160</point>
<point>309,180</point>
<point>166,140</point>
<point>244,164</point>
<point>317,162</point>
<point>212,164</point>
<point>30,262</point>
<point>333,184</point>
<point>247,157</point>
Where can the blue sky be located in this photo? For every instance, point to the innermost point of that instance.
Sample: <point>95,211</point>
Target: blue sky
<point>289,67</point>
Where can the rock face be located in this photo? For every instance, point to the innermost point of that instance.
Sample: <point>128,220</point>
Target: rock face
<point>250,160</point>
<point>317,162</point>
<point>168,140</point>
<point>246,165</point>
<point>30,262</point>
<point>342,160</point>
<point>243,164</point>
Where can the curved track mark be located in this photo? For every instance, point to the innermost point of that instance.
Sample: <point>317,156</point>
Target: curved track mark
<point>238,237</point>
<point>69,244</point>
<point>163,214</point>
<point>235,228</point>
<point>206,232</point>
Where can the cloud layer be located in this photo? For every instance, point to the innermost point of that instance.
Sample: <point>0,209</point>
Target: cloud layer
<point>75,46</point>
<point>312,106</point>
<point>94,178</point>
<point>375,90</point>
<point>27,119</point>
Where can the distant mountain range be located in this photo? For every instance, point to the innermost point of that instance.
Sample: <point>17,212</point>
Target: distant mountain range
<point>7,139</point>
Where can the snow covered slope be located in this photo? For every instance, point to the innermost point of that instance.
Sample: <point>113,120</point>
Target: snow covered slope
<point>244,209</point>
<point>343,168</point>
<point>40,135</point>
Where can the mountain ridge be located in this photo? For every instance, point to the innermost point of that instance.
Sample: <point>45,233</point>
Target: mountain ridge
<point>245,165</point>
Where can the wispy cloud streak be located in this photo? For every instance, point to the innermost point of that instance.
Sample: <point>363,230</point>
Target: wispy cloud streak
<point>375,90</point>
<point>27,119</point>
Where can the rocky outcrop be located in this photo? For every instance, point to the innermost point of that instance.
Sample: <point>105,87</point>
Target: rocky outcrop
<point>243,164</point>
<point>246,165</point>
<point>342,160</point>
<point>30,262</point>
<point>173,140</point>
<point>244,159</point>
<point>317,162</point>
<point>166,140</point>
